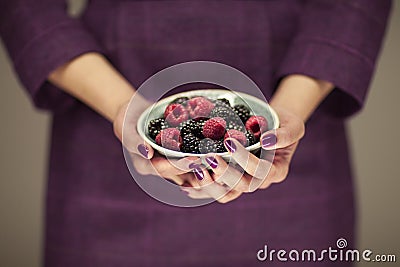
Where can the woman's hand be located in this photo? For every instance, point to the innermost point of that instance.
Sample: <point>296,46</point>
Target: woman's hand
<point>145,160</point>
<point>272,167</point>
<point>295,99</point>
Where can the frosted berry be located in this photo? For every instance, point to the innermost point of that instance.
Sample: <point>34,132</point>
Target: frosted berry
<point>257,125</point>
<point>169,138</point>
<point>175,114</point>
<point>214,128</point>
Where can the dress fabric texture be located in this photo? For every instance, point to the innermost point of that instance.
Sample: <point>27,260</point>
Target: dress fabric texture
<point>97,216</point>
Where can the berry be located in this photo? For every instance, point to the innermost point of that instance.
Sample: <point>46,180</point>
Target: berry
<point>190,144</point>
<point>236,125</point>
<point>257,125</point>
<point>207,145</point>
<point>250,138</point>
<point>174,114</point>
<point>199,107</point>
<point>194,126</point>
<point>220,146</point>
<point>214,128</point>
<point>181,100</point>
<point>243,112</point>
<point>222,102</point>
<point>224,112</point>
<point>155,126</point>
<point>238,135</point>
<point>169,138</point>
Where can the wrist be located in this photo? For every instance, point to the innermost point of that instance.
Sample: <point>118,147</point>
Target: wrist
<point>300,95</point>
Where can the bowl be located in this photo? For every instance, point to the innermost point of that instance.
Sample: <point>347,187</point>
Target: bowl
<point>256,105</point>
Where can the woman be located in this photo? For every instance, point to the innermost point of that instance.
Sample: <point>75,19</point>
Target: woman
<point>313,59</point>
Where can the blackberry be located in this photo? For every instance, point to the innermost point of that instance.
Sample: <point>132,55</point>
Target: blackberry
<point>190,144</point>
<point>243,112</point>
<point>251,140</point>
<point>236,125</point>
<point>224,112</point>
<point>222,102</point>
<point>220,146</point>
<point>181,100</point>
<point>207,145</point>
<point>155,126</point>
<point>194,126</point>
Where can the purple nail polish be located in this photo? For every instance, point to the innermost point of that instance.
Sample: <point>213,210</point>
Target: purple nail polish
<point>230,145</point>
<point>144,150</point>
<point>193,165</point>
<point>268,140</point>
<point>212,162</point>
<point>198,173</point>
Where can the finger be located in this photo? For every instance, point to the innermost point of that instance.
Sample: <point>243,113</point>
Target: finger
<point>208,185</point>
<point>125,130</point>
<point>195,193</point>
<point>166,167</point>
<point>290,131</point>
<point>228,197</point>
<point>227,174</point>
<point>257,168</point>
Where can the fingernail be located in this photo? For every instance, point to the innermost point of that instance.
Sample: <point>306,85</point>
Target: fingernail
<point>230,145</point>
<point>212,162</point>
<point>193,165</point>
<point>199,173</point>
<point>268,140</point>
<point>144,150</point>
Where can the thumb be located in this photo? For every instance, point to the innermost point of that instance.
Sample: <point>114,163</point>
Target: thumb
<point>125,130</point>
<point>289,132</point>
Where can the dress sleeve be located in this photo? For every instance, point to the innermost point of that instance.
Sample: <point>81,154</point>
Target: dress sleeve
<point>40,36</point>
<point>339,41</point>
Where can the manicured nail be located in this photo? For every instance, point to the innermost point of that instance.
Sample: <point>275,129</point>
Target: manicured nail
<point>268,140</point>
<point>230,145</point>
<point>199,173</point>
<point>144,150</point>
<point>212,162</point>
<point>193,165</point>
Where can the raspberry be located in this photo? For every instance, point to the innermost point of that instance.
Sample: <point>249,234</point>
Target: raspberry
<point>238,135</point>
<point>257,125</point>
<point>199,107</point>
<point>242,111</point>
<point>175,114</point>
<point>214,128</point>
<point>169,138</point>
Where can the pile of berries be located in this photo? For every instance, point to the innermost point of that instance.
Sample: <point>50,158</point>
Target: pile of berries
<point>200,125</point>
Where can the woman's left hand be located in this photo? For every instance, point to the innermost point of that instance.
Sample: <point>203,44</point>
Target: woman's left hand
<point>272,167</point>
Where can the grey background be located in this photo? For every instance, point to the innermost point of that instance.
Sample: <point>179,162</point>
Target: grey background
<point>374,135</point>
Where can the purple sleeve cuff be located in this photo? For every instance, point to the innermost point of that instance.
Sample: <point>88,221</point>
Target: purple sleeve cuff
<point>349,71</point>
<point>339,41</point>
<point>40,36</point>
<point>45,53</point>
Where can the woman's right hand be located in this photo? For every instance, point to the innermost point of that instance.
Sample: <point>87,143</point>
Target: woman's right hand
<point>145,160</point>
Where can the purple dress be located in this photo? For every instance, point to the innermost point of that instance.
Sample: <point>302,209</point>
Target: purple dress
<point>97,216</point>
